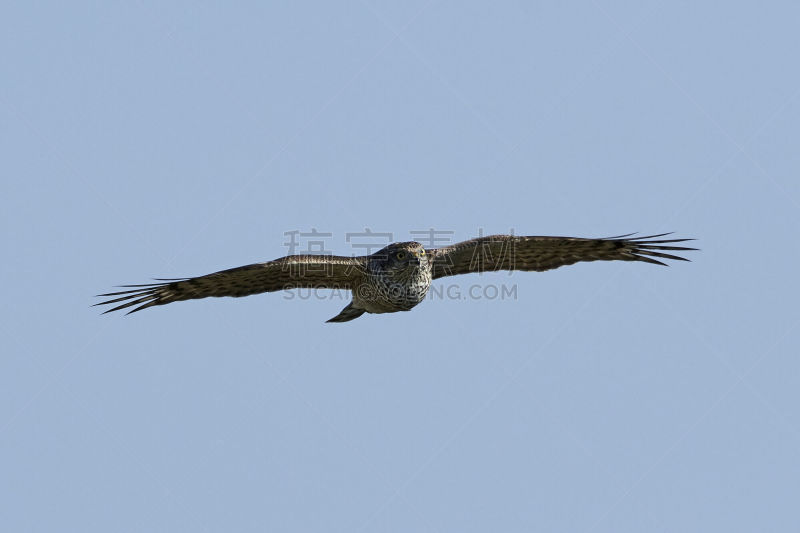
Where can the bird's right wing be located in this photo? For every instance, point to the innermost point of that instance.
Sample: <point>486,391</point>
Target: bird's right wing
<point>294,271</point>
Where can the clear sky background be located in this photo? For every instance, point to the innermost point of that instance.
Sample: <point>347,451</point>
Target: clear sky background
<point>151,139</point>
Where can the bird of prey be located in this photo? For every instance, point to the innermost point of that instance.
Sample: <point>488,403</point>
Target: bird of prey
<point>397,277</point>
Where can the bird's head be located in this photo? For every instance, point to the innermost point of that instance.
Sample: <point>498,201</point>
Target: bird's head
<point>401,259</point>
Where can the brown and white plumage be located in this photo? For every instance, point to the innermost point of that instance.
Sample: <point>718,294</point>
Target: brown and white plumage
<point>294,271</point>
<point>509,252</point>
<point>397,277</point>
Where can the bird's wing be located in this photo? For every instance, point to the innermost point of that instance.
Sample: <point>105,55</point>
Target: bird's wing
<point>294,271</point>
<point>509,252</point>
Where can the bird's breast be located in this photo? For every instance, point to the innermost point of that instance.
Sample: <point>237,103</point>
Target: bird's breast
<point>385,294</point>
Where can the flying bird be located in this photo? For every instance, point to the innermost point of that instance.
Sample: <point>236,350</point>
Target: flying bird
<point>397,277</point>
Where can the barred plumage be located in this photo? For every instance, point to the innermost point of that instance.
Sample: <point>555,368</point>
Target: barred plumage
<point>397,277</point>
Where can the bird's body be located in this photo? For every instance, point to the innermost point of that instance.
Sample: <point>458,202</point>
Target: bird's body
<point>398,277</point>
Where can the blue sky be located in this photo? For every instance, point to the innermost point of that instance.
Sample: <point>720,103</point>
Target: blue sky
<point>146,140</point>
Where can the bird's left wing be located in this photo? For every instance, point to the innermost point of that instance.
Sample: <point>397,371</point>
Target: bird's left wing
<point>294,271</point>
<point>509,252</point>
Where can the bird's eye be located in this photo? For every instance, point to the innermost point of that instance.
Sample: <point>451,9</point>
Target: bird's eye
<point>401,255</point>
<point>421,251</point>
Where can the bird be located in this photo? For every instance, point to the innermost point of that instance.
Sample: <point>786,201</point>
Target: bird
<point>398,276</point>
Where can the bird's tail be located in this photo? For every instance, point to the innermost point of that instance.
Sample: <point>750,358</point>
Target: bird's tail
<point>347,314</point>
